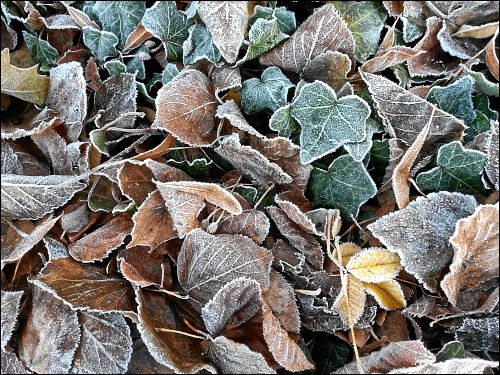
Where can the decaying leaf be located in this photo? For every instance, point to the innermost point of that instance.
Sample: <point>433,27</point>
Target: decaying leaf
<point>331,67</point>
<point>478,334</point>
<point>11,364</point>
<point>390,58</point>
<point>250,223</point>
<point>351,305</point>
<point>230,111</point>
<point>492,155</point>
<point>10,311</point>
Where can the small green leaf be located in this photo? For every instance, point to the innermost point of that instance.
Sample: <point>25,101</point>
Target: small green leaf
<point>115,67</point>
<point>327,122</point>
<point>101,43</point>
<point>457,168</point>
<point>199,46</point>
<point>40,50</point>
<point>166,23</point>
<point>480,125</point>
<point>264,36</point>
<point>119,17</point>
<point>452,349</point>
<point>136,63</point>
<point>411,31</point>
<point>285,18</point>
<point>195,168</point>
<point>269,92</point>
<point>482,104</point>
<point>283,122</point>
<point>358,150</point>
<point>169,72</point>
<point>330,354</point>
<point>366,20</point>
<point>482,83</point>
<point>379,154</point>
<point>345,186</point>
<point>455,99</point>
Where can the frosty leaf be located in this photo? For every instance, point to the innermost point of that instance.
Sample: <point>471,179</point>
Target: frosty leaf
<point>451,366</point>
<point>98,244</point>
<point>450,350</point>
<point>137,38</point>
<point>225,78</point>
<point>390,58</point>
<point>31,197</point>
<point>491,57</point>
<point>105,346</point>
<point>50,336</point>
<point>458,168</point>
<point>232,357</point>
<point>374,265</point>
<point>394,356</point>
<point>419,233</point>
<point>250,223</point>
<point>10,311</point>
<point>455,99</point>
<point>346,186</point>
<point>285,18</point>
<point>230,111</point>
<point>153,225</point>
<point>25,84</point>
<point>10,163</point>
<point>327,122</point>
<point>119,17</point>
<point>491,149</point>
<point>227,22</point>
<point>348,250</point>
<point>135,65</point>
<point>359,150</point>
<point>199,46</point>
<point>80,17</point>
<point>169,72</point>
<point>388,294</point>
<point>295,205</point>
<point>283,122</point>
<point>479,334</point>
<point>186,107</point>
<point>263,36</point>
<point>251,162</point>
<point>323,31</point>
<point>476,252</point>
<point>206,262</point>
<point>11,364</point>
<point>101,43</point>
<point>482,83</point>
<point>40,50</point>
<point>351,306</point>
<point>85,286</point>
<point>142,362</point>
<point>329,67</point>
<point>399,109</point>
<point>268,92</point>
<point>365,20</point>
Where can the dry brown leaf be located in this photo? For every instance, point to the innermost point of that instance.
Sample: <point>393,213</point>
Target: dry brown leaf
<point>374,265</point>
<point>476,252</point>
<point>477,31</point>
<point>10,311</point>
<point>390,57</point>
<point>388,294</point>
<point>230,111</point>
<point>11,364</point>
<point>330,67</point>
<point>351,306</point>
<point>394,327</point>
<point>491,57</point>
<point>136,38</point>
<point>250,223</point>
<point>225,78</point>
<point>295,205</point>
<point>492,155</point>
<point>395,8</point>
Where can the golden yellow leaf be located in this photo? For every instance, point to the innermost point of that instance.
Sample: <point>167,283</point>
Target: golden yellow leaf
<point>348,250</point>
<point>388,294</point>
<point>25,84</point>
<point>374,265</point>
<point>351,307</point>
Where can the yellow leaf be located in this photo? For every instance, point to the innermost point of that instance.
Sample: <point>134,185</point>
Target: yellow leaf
<point>374,265</point>
<point>348,250</point>
<point>351,307</point>
<point>25,84</point>
<point>388,294</point>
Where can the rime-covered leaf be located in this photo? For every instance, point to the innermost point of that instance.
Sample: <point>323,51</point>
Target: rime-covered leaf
<point>230,111</point>
<point>251,223</point>
<point>225,78</point>
<point>31,197</point>
<point>199,46</point>
<point>105,346</point>
<point>492,155</point>
<point>268,92</point>
<point>263,36</point>
<point>101,43</point>
<point>451,366</point>
<point>135,64</point>
<point>394,356</point>
<point>50,337</point>
<point>331,67</point>
<point>98,244</point>
<point>420,232</point>
<point>119,17</point>
<point>405,114</point>
<point>283,122</point>
<point>206,262</point>
<point>10,163</point>
<point>169,25</point>
<point>40,50</point>
<point>476,252</point>
<point>450,350</point>
<point>296,205</point>
<point>10,311</point>
<point>186,107</point>
<point>85,286</point>
<point>458,168</point>
<point>169,72</point>
<point>142,362</point>
<point>345,186</point>
<point>365,20</point>
<point>374,265</point>
<point>323,31</point>
<point>227,22</point>
<point>479,334</point>
<point>350,306</point>
<point>11,364</point>
<point>286,18</point>
<point>25,84</point>
<point>327,122</point>
<point>388,294</point>
<point>390,58</point>
<point>359,150</point>
<point>482,83</point>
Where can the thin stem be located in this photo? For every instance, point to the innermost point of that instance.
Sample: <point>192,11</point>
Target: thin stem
<point>263,195</point>
<point>167,330</point>
<point>169,292</point>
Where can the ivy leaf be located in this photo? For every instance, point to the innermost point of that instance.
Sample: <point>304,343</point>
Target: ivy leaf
<point>492,150</point>
<point>263,36</point>
<point>40,50</point>
<point>450,350</point>
<point>358,150</point>
<point>199,46</point>
<point>283,122</point>
<point>327,122</point>
<point>102,43</point>
<point>115,67</point>
<point>119,17</point>
<point>346,186</point>
<point>285,18</point>
<point>482,83</point>
<point>458,168</point>
<point>268,92</point>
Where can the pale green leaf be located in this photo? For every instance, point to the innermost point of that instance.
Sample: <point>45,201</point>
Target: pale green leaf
<point>286,19</point>
<point>199,46</point>
<point>452,349</point>
<point>115,67</point>
<point>358,150</point>
<point>101,43</point>
<point>169,72</point>
<point>482,83</point>
<point>411,31</point>
<point>264,35</point>
<point>40,50</point>
<point>283,122</point>
<point>136,63</point>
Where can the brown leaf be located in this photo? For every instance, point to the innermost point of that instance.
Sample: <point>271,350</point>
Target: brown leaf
<point>142,362</point>
<point>10,311</point>
<point>451,366</point>
<point>323,31</point>
<point>394,327</point>
<point>11,364</point>
<point>475,260</point>
<point>230,111</point>
<point>492,155</point>
<point>186,107</point>
<point>225,78</point>
<point>395,8</point>
<point>287,259</point>
<point>50,337</point>
<point>486,30</point>
<point>10,161</point>
<point>390,57</point>
<point>250,223</point>
<point>295,205</point>
<point>479,334</point>
<point>330,67</point>
<point>136,38</point>
<point>85,286</point>
<point>206,262</point>
<point>80,17</point>
<point>491,57</point>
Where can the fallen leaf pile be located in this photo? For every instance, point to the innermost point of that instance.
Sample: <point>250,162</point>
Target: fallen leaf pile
<point>249,187</point>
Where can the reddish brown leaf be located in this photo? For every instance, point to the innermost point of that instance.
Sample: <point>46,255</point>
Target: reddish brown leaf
<point>250,223</point>
<point>10,311</point>
<point>389,58</point>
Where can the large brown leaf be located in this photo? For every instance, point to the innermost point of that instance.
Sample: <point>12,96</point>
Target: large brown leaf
<point>251,223</point>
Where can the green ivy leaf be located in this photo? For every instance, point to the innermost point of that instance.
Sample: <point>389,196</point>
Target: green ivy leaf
<point>195,168</point>
<point>283,122</point>
<point>452,349</point>
<point>136,63</point>
<point>268,92</point>
<point>482,104</point>
<point>457,168</point>
<point>482,83</point>
<point>264,35</point>
<point>345,186</point>
<point>379,154</point>
<point>40,50</point>
<point>411,31</point>
<point>366,20</point>
<point>480,125</point>
<point>115,67</point>
<point>358,150</point>
<point>285,18</point>
<point>327,122</point>
<point>169,72</point>
<point>166,23</point>
<point>119,17</point>
<point>101,43</point>
<point>199,45</point>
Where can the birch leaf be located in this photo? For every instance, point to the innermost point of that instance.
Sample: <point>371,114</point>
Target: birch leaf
<point>388,294</point>
<point>374,265</point>
<point>10,311</point>
<point>101,43</point>
<point>351,306</point>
